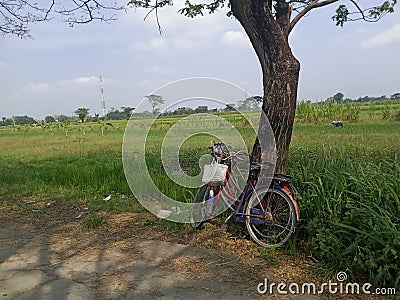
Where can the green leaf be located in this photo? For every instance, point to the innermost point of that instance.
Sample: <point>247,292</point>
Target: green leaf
<point>341,16</point>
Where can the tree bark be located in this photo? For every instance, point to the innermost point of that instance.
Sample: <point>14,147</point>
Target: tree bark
<point>280,69</point>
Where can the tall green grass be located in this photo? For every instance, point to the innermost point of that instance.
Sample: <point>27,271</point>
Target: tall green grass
<point>72,177</point>
<point>307,111</point>
<point>349,185</point>
<point>351,212</point>
<point>348,181</point>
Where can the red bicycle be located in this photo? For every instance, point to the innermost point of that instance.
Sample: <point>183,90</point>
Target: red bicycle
<point>270,212</point>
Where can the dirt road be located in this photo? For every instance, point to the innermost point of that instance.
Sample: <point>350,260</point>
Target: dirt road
<point>46,253</point>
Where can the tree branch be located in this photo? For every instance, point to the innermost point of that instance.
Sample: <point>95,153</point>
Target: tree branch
<point>313,4</point>
<point>373,17</point>
<point>87,9</point>
<point>155,8</point>
<point>16,15</point>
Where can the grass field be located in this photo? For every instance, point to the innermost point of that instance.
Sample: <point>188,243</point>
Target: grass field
<point>348,180</point>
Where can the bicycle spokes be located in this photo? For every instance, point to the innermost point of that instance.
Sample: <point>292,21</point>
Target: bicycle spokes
<point>270,211</point>
<point>271,218</point>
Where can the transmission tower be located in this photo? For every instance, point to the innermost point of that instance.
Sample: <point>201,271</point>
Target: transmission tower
<point>103,101</point>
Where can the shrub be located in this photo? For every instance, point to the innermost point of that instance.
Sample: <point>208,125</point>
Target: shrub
<point>351,208</point>
<point>397,117</point>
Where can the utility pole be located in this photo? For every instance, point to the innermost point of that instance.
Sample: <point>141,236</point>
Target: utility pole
<point>103,101</point>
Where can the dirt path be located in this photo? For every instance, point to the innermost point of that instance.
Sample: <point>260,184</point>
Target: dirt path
<point>46,253</point>
<point>60,266</point>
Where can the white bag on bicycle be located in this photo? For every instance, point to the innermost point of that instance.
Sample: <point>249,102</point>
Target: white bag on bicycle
<point>214,174</point>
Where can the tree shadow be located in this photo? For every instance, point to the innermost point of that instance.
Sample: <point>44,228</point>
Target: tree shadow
<point>67,261</point>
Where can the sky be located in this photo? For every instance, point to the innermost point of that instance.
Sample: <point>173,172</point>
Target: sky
<point>58,70</point>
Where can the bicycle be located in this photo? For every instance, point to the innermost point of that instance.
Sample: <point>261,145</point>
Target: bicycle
<point>270,212</point>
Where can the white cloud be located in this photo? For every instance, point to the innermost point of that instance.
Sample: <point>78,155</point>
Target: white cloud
<point>75,85</point>
<point>154,44</point>
<point>183,43</point>
<point>56,97</point>
<point>156,69</point>
<point>235,38</point>
<point>78,81</point>
<point>84,80</point>
<point>386,37</point>
<point>36,87</point>
<point>151,84</point>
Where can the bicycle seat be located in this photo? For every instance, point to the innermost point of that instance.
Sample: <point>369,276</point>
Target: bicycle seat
<point>257,166</point>
<point>282,178</point>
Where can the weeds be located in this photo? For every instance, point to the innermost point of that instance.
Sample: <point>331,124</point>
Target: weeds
<point>94,221</point>
<point>347,178</point>
<point>351,209</point>
<point>149,222</point>
<point>269,254</point>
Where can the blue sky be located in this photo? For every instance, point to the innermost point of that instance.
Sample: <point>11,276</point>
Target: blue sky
<point>58,71</point>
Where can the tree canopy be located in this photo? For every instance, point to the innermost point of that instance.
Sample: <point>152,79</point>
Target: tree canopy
<point>155,101</point>
<point>17,15</point>
<point>267,24</point>
<point>82,113</point>
<point>287,13</point>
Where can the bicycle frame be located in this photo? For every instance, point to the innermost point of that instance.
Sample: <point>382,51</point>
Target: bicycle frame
<point>269,211</point>
<point>239,207</point>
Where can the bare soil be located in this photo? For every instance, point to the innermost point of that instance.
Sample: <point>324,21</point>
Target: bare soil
<point>49,251</point>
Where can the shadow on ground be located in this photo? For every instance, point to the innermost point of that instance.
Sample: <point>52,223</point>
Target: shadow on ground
<point>47,254</point>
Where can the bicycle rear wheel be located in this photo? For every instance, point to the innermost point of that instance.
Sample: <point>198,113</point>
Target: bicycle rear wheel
<point>199,208</point>
<point>270,217</point>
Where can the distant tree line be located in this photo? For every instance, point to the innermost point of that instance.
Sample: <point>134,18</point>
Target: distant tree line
<point>17,120</point>
<point>80,115</point>
<point>201,109</point>
<point>339,98</point>
<point>250,103</point>
<point>123,114</point>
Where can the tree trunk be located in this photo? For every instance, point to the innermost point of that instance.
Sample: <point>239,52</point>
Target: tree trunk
<point>269,37</point>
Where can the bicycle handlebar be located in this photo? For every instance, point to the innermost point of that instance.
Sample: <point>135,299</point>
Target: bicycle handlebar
<point>236,154</point>
<point>232,154</point>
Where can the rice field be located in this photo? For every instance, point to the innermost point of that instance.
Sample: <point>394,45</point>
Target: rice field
<point>348,179</point>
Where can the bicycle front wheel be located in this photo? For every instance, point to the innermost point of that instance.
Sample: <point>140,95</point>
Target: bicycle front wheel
<point>270,217</point>
<point>199,207</point>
